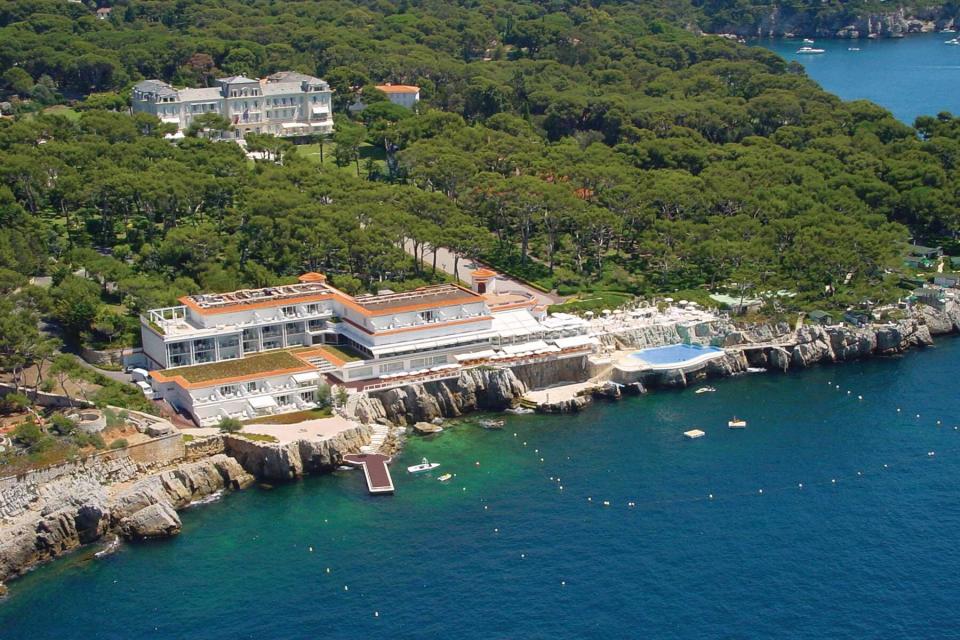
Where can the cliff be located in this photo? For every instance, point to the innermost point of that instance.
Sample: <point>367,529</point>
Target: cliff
<point>778,21</point>
<point>287,461</point>
<point>480,388</point>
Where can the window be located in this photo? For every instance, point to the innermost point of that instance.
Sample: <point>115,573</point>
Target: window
<point>391,367</point>
<point>289,312</point>
<point>308,396</point>
<point>427,316</point>
<point>313,308</point>
<point>228,390</point>
<point>252,387</point>
<point>284,400</point>
<point>360,372</point>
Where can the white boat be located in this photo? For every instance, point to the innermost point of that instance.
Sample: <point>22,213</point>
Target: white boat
<point>948,30</point>
<point>444,477</point>
<point>807,41</point>
<point>693,434</point>
<point>810,50</point>
<point>853,48</point>
<point>953,41</point>
<point>737,423</point>
<point>425,465</point>
<point>756,370</point>
<point>705,390</point>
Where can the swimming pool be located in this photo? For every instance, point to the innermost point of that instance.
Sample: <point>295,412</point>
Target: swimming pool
<point>677,355</point>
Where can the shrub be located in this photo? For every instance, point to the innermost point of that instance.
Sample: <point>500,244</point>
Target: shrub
<point>119,443</point>
<point>62,424</point>
<point>230,425</point>
<point>14,402</point>
<point>46,386</point>
<point>27,433</point>
<point>84,439</point>
<point>323,394</point>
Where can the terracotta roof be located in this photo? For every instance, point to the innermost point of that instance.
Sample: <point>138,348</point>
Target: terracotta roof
<point>484,273</point>
<point>398,88</point>
<point>312,276</point>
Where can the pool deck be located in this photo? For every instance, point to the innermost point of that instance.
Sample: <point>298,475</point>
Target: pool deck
<point>375,471</point>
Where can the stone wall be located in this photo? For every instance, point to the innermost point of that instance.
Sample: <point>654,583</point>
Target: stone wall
<point>44,399</point>
<point>204,447</point>
<point>287,461</point>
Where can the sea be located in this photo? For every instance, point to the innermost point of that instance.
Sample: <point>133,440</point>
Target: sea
<point>912,76</point>
<point>832,515</point>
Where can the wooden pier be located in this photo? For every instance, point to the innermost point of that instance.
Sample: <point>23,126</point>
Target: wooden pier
<point>374,470</point>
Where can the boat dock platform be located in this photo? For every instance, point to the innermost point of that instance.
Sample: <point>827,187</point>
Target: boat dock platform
<point>374,470</point>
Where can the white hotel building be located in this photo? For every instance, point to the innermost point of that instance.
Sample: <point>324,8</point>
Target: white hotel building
<point>283,104</point>
<point>264,351</point>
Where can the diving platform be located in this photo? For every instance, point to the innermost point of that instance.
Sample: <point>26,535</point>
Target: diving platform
<point>375,471</point>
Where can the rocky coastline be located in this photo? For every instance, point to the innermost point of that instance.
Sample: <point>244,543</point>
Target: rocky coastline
<point>785,22</point>
<point>119,498</point>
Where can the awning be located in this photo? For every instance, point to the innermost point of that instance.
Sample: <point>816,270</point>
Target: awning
<point>515,323</point>
<point>527,346</point>
<point>319,124</point>
<point>305,377</point>
<point>262,402</point>
<point>292,125</point>
<point>576,341</point>
<point>425,345</point>
<point>319,111</point>
<point>476,355</point>
<point>170,120</point>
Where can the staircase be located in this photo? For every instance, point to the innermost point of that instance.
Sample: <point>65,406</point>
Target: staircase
<point>322,365</point>
<point>379,436</point>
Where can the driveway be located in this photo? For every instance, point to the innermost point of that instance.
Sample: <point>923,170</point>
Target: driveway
<point>465,269</point>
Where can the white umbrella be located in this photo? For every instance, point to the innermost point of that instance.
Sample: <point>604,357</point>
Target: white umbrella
<point>606,312</point>
<point>668,299</point>
<point>683,303</point>
<point>588,313</point>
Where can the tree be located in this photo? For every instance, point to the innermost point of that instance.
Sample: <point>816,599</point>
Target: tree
<point>348,138</point>
<point>208,124</point>
<point>18,81</point>
<point>230,425</point>
<point>76,304</point>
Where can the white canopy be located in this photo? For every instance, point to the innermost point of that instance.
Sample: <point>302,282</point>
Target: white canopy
<point>575,341</point>
<point>476,355</point>
<point>262,402</point>
<point>170,120</point>
<point>320,110</point>
<point>305,377</point>
<point>527,346</point>
<point>515,323</point>
<point>291,125</point>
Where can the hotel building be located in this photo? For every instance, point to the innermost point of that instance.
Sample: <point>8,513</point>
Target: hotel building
<point>283,104</point>
<point>263,351</point>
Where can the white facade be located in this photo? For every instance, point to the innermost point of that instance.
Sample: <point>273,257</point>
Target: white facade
<point>404,95</point>
<point>428,332</point>
<point>283,104</point>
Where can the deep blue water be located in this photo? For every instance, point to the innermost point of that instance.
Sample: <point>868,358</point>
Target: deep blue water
<point>911,76</point>
<point>674,353</point>
<point>502,552</point>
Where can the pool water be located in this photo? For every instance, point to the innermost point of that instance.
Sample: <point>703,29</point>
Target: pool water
<point>675,353</point>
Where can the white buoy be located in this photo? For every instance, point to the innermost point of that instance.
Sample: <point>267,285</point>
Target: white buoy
<point>563,583</point>
<point>541,459</point>
<point>938,423</point>
<point>536,450</point>
<point>848,392</point>
<point>859,473</point>
<point>496,530</point>
<point>514,435</point>
<point>523,555</point>
<point>589,499</point>
<point>800,486</point>
<point>838,386</point>
<point>859,397</point>
<point>898,409</point>
<point>606,503</point>
<point>477,463</point>
<point>931,453</point>
<point>376,614</point>
<point>485,507</point>
<point>710,497</point>
<point>761,491</point>
<point>328,569</point>
<point>833,481</point>
<point>561,487</point>
<point>524,443</point>
<point>918,415</point>
<point>346,588</point>
<point>310,549</point>
<point>884,466</point>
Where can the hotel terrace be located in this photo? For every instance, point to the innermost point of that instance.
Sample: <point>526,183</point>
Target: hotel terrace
<point>263,351</point>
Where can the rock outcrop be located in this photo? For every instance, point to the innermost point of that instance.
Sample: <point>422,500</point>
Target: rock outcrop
<point>280,462</point>
<point>785,21</point>
<point>480,388</point>
<point>76,509</point>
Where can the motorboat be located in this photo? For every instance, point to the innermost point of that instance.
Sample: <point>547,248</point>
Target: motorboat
<point>807,41</point>
<point>705,390</point>
<point>952,41</point>
<point>756,370</point>
<point>737,423</point>
<point>853,48</point>
<point>948,30</point>
<point>445,477</point>
<point>425,465</point>
<point>810,50</point>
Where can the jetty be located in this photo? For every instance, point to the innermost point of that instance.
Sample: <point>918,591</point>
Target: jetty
<point>375,470</point>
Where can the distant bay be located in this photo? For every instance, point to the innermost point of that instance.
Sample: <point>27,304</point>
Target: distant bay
<point>912,76</point>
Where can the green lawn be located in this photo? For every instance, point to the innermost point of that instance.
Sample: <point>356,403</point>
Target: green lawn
<point>312,153</point>
<point>291,418</point>
<point>66,112</point>
<point>593,301</point>
<point>272,361</point>
<point>345,353</point>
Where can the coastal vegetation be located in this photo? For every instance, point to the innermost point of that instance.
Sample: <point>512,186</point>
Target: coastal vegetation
<point>598,151</point>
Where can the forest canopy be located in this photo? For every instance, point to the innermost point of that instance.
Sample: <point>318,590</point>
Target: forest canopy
<point>579,145</point>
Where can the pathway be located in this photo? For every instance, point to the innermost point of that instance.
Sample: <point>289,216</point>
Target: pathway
<point>466,267</point>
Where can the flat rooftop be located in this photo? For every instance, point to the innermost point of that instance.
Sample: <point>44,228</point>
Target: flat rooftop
<point>438,295</point>
<point>257,296</point>
<point>257,365</point>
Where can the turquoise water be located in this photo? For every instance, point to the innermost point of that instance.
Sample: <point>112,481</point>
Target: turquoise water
<point>674,353</point>
<point>502,552</point>
<point>911,76</point>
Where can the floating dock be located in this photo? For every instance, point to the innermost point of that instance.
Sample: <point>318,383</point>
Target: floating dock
<point>694,434</point>
<point>374,470</point>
